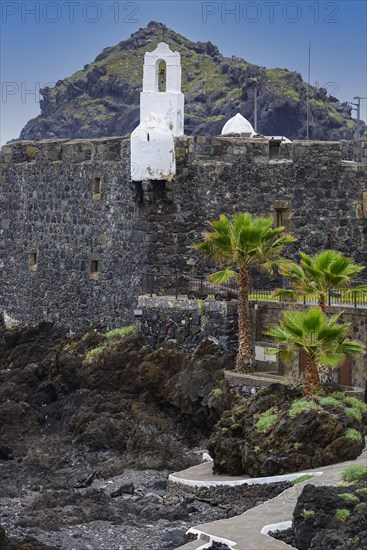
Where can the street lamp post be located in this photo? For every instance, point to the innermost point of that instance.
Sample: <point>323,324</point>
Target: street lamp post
<point>255,82</point>
<point>357,107</point>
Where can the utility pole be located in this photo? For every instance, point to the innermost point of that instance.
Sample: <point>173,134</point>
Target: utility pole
<point>308,92</point>
<point>255,82</point>
<point>357,107</point>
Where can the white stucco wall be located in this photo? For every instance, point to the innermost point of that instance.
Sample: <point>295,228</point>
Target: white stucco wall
<point>168,105</point>
<point>152,150</point>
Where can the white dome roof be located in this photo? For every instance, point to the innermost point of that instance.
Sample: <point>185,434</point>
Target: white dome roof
<point>238,125</point>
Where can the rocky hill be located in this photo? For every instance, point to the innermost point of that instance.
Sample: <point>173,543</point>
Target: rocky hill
<point>103,98</point>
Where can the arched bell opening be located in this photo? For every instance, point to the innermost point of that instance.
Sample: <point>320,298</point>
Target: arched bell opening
<point>161,76</point>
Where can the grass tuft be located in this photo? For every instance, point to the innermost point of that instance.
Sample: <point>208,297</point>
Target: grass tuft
<point>117,333</point>
<point>95,352</point>
<point>301,479</point>
<point>355,472</point>
<point>353,435</point>
<point>342,514</point>
<point>301,405</point>
<point>267,419</point>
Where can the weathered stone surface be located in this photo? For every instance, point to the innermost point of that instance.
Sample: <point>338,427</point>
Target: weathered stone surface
<point>164,321</point>
<point>49,211</point>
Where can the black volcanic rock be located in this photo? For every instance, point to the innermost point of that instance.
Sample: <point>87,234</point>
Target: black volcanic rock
<point>262,436</point>
<point>103,98</point>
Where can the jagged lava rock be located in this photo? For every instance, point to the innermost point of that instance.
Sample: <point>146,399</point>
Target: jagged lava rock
<point>312,438</point>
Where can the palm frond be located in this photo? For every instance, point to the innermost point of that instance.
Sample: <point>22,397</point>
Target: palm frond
<point>220,277</point>
<point>287,295</point>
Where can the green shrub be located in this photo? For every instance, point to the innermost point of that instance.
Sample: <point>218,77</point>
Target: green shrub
<point>356,404</point>
<point>355,472</point>
<point>297,446</point>
<point>308,513</point>
<point>342,514</point>
<point>301,405</point>
<point>352,411</point>
<point>257,449</point>
<point>330,401</point>
<point>121,332</point>
<point>301,479</point>
<point>338,395</point>
<point>267,419</point>
<point>362,491</point>
<point>217,391</point>
<point>353,434</point>
<point>349,496</point>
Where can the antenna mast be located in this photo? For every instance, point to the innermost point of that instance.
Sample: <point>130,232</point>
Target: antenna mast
<point>308,91</point>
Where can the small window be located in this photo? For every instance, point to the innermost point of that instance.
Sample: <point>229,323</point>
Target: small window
<point>282,213</point>
<point>94,269</point>
<point>97,188</point>
<point>278,216</point>
<point>274,149</point>
<point>33,260</point>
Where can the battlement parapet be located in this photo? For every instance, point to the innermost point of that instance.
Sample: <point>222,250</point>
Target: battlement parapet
<point>74,151</point>
<point>188,149</point>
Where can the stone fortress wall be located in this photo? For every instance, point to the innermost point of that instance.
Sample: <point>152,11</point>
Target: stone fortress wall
<point>76,233</point>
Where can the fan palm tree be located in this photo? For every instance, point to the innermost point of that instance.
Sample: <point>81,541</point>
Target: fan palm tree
<point>317,275</point>
<point>323,339</point>
<point>237,245</point>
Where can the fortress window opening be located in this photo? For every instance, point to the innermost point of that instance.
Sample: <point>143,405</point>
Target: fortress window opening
<point>94,269</point>
<point>96,188</point>
<point>33,260</point>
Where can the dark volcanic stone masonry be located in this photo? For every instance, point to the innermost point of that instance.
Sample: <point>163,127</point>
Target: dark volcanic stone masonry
<point>76,235</point>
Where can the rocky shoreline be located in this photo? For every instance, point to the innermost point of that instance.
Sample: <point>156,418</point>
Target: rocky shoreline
<point>87,439</point>
<point>92,427</point>
<point>127,512</point>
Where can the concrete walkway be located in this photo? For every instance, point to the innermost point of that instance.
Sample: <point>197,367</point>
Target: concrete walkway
<point>248,531</point>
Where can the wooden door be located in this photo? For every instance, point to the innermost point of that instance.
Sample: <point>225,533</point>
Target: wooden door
<point>345,373</point>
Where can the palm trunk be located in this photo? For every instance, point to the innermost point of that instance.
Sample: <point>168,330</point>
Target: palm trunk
<point>244,362</point>
<point>322,303</point>
<point>311,377</point>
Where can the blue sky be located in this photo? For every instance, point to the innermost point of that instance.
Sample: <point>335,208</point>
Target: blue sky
<point>46,40</point>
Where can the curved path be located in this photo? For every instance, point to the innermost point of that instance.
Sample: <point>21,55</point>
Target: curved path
<point>248,531</point>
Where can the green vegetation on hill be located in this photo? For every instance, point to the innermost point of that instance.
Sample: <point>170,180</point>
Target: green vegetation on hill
<point>103,97</point>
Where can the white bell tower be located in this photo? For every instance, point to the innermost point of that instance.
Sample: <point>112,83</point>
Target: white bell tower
<point>162,88</point>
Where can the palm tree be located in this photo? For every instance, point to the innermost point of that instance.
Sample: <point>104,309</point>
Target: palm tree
<point>324,341</point>
<point>239,244</point>
<point>317,275</point>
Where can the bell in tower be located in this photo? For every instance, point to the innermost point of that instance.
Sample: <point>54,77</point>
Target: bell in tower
<point>162,77</point>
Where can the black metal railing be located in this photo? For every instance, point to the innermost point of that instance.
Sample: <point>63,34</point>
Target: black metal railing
<point>194,287</point>
<point>200,287</point>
